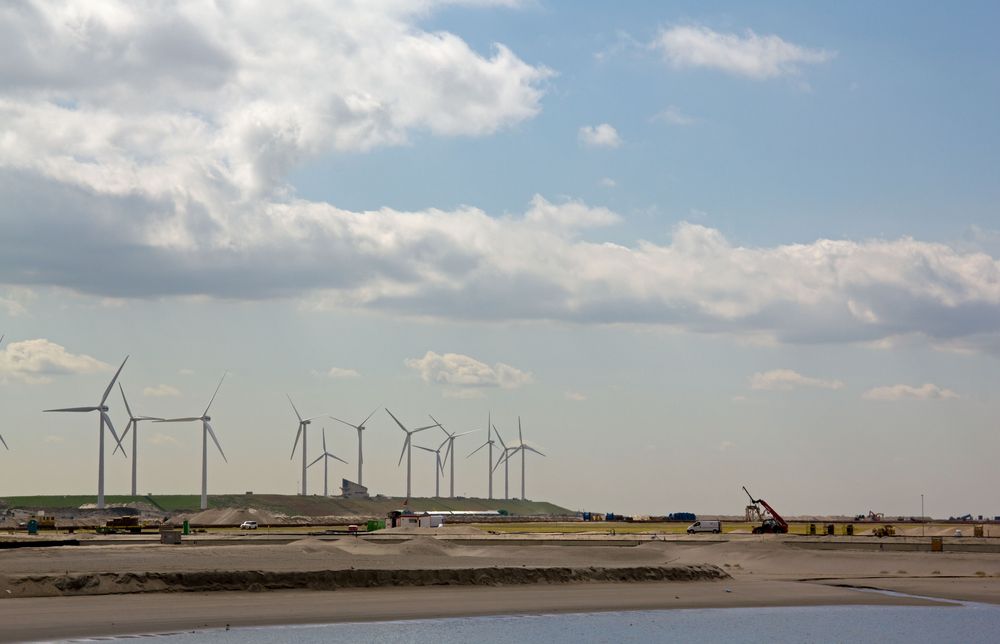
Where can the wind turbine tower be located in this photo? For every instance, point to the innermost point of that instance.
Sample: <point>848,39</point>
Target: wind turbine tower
<point>506,463</point>
<point>206,431</point>
<point>438,466</point>
<point>407,451</point>
<point>133,426</point>
<point>102,410</point>
<point>361,428</point>
<point>489,445</point>
<point>325,457</point>
<point>449,453</point>
<point>303,427</point>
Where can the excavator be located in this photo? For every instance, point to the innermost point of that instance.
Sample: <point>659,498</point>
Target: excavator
<point>773,524</point>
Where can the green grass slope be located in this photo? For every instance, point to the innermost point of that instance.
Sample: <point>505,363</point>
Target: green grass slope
<point>292,505</point>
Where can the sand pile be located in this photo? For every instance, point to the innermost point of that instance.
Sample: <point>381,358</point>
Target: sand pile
<point>229,516</point>
<point>255,580</point>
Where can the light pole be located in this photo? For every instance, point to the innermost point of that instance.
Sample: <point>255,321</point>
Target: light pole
<point>923,521</point>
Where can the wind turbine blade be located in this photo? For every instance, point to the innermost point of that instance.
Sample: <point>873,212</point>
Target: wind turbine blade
<point>107,419</point>
<point>297,414</point>
<point>125,400</point>
<point>426,449</point>
<point>74,409</point>
<point>471,431</point>
<point>1,435</point>
<point>367,419</point>
<point>149,418</point>
<point>297,434</point>
<point>128,428</point>
<point>520,436</point>
<point>324,440</point>
<point>405,443</point>
<point>499,437</point>
<point>318,459</point>
<point>532,449</point>
<point>420,429</point>
<point>224,374</point>
<point>176,420</point>
<point>500,461</point>
<point>215,440</point>
<point>343,421</point>
<point>338,458</point>
<point>320,416</point>
<point>477,449</point>
<point>451,444</point>
<point>397,420</point>
<point>112,383</point>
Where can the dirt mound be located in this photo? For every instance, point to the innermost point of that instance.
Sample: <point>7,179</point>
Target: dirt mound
<point>255,580</point>
<point>229,516</point>
<point>426,546</point>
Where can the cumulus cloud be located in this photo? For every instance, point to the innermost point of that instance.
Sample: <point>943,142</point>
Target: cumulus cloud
<point>161,391</point>
<point>338,372</point>
<point>600,136</point>
<point>36,361</point>
<point>749,55</point>
<point>461,371</point>
<point>786,379</point>
<point>927,391</point>
<point>607,182</point>
<point>575,396</point>
<point>161,136</point>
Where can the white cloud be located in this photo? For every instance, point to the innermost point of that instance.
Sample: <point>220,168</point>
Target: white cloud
<point>36,361</point>
<point>673,115</point>
<point>162,439</point>
<point>575,396</point>
<point>161,391</point>
<point>926,391</point>
<point>607,182</point>
<point>786,379</point>
<point>461,371</point>
<point>600,136</point>
<point>338,372</point>
<point>749,55</point>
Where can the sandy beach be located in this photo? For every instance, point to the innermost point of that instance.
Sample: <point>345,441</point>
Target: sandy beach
<point>136,588</point>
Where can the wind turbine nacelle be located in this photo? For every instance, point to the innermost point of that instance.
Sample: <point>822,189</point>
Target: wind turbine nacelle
<point>207,419</point>
<point>103,408</point>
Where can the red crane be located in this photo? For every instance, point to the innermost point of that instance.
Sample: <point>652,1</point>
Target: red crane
<point>773,524</point>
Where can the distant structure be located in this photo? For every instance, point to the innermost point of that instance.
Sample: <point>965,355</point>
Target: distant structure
<point>352,490</point>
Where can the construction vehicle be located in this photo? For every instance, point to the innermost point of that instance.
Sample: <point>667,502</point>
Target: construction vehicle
<point>121,524</point>
<point>884,531</point>
<point>773,524</point>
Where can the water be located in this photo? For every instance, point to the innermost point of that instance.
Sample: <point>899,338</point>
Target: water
<point>960,623</point>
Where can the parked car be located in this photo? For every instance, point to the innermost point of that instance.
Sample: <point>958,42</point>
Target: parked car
<point>715,527</point>
<point>248,525</point>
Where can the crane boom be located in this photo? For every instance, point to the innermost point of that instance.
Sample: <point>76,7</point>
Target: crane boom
<point>767,506</point>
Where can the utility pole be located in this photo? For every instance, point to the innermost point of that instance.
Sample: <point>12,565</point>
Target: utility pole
<point>923,521</point>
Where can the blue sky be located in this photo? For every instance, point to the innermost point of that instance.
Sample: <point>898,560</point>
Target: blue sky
<point>693,246</point>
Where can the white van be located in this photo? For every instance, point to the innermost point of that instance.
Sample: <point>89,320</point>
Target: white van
<point>715,527</point>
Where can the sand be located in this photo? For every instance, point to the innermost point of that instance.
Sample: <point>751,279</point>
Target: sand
<point>70,586</point>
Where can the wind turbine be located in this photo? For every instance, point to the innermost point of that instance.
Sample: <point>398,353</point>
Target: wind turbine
<point>522,447</point>
<point>506,463</point>
<point>325,457</point>
<point>448,453</point>
<point>406,448</point>
<point>133,425</point>
<point>303,426</point>
<point>206,431</point>
<point>360,427</point>
<point>489,465</point>
<point>102,409</point>
<point>438,466</point>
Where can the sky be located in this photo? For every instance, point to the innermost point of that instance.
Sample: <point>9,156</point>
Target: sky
<point>691,245</point>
